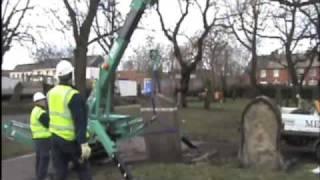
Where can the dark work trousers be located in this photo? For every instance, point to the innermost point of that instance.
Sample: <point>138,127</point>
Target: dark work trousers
<point>42,147</point>
<point>64,152</point>
<point>156,81</point>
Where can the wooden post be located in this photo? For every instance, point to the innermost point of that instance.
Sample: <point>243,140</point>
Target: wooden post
<point>279,95</point>
<point>260,135</point>
<point>162,137</point>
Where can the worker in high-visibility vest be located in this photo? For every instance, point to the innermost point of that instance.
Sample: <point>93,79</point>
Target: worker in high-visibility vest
<point>39,123</point>
<point>68,125</point>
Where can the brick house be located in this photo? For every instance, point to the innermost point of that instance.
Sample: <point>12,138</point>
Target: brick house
<point>272,69</point>
<point>132,75</point>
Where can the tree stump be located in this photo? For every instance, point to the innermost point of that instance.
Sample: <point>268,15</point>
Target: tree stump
<point>260,135</point>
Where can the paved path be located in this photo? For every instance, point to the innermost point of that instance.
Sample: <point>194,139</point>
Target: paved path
<point>19,168</point>
<point>22,167</point>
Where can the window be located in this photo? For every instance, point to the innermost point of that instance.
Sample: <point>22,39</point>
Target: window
<point>263,73</point>
<point>300,71</point>
<point>276,73</point>
<point>313,72</point>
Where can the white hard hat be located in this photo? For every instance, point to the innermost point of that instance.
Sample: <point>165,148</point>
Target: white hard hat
<point>38,96</point>
<point>63,68</point>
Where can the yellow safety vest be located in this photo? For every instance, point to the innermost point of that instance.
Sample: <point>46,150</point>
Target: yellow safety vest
<point>37,129</point>
<point>61,122</point>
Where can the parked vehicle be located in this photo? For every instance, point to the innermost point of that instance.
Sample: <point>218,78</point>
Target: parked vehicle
<point>301,128</point>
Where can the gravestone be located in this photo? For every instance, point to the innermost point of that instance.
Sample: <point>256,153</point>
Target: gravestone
<point>260,135</point>
<point>162,136</point>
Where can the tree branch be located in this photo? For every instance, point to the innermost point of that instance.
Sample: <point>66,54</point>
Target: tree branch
<point>176,30</point>
<point>72,16</point>
<point>164,29</point>
<point>86,25</point>
<point>296,3</point>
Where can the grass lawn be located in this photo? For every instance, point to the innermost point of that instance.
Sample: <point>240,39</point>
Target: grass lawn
<point>228,171</point>
<point>219,124</point>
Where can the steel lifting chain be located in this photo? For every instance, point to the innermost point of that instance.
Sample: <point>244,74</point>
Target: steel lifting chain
<point>125,172</point>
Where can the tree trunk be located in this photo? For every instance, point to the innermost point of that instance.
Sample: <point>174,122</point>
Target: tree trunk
<point>292,70</point>
<point>253,74</point>
<point>184,87</point>
<point>292,74</point>
<point>80,64</point>
<point>207,95</point>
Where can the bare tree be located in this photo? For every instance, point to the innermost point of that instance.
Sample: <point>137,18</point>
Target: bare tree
<point>215,45</point>
<point>141,61</point>
<point>81,32</point>
<point>50,51</point>
<point>311,9</point>
<point>297,3</point>
<point>245,23</point>
<point>291,32</point>
<point>106,26</point>
<point>188,67</point>
<point>12,16</point>
<point>312,12</point>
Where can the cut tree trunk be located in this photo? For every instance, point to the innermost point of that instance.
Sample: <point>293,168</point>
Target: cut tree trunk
<point>260,135</point>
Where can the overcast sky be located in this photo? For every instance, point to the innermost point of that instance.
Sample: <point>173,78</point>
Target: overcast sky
<point>46,22</point>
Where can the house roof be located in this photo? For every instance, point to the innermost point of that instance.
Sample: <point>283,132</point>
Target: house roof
<point>278,61</point>
<point>92,61</point>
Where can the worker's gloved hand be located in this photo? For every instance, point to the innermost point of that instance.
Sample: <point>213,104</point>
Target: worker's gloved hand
<point>85,152</point>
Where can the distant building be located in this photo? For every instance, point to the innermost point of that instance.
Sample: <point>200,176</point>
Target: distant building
<point>46,69</point>
<point>5,73</point>
<point>132,75</point>
<point>272,69</point>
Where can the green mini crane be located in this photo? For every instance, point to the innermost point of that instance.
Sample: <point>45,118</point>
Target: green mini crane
<point>105,128</point>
